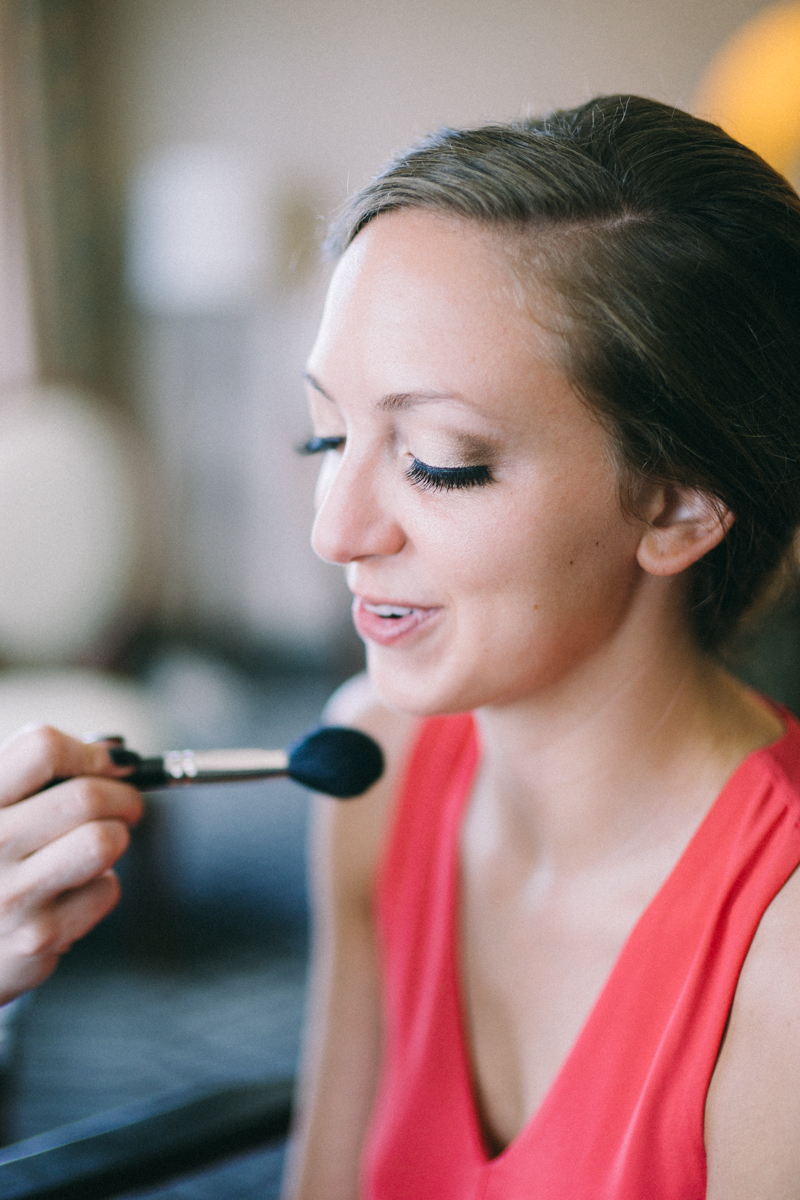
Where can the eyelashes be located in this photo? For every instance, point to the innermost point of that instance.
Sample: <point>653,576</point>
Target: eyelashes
<point>422,475</point>
<point>447,479</point>
<point>318,445</point>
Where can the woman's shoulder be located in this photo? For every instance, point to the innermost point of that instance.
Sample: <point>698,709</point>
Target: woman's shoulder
<point>753,1104</point>
<point>350,834</point>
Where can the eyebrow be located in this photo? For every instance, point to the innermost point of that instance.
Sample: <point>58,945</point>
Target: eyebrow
<point>394,402</point>
<point>471,445</point>
<point>397,401</point>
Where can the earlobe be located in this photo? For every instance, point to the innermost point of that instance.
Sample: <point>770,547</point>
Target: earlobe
<point>683,525</point>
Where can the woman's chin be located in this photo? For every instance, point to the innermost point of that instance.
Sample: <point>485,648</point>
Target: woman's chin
<point>419,689</point>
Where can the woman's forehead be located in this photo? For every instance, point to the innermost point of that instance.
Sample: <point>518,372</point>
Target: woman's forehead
<point>426,245</point>
<point>427,284</point>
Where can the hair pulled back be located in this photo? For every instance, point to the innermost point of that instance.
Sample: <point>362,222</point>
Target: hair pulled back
<point>673,254</point>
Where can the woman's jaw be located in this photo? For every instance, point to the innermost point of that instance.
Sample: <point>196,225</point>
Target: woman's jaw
<point>466,652</point>
<point>557,673</point>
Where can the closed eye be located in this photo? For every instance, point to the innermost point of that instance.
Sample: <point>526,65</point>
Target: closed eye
<point>318,445</point>
<point>448,478</point>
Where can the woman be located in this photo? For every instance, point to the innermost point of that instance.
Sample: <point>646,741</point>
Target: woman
<point>556,388</point>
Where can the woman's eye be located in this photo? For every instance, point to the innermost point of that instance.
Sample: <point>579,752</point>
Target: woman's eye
<point>318,445</point>
<point>448,478</point>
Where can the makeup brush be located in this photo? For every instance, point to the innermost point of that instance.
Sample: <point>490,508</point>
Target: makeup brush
<point>331,759</point>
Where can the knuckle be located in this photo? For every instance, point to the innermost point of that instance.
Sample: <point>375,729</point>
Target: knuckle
<point>38,936</point>
<point>8,836</point>
<point>135,805</point>
<point>86,799</point>
<point>93,799</point>
<point>47,742</point>
<point>105,841</point>
<point>39,746</point>
<point>106,894</point>
<point>135,798</point>
<point>11,901</point>
<point>112,889</point>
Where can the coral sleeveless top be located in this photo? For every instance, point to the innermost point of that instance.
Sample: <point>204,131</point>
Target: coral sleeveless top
<point>623,1119</point>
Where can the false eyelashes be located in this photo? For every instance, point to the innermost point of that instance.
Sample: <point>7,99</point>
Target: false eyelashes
<point>447,479</point>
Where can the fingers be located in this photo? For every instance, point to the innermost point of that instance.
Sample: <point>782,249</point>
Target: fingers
<point>31,949</point>
<point>30,824</point>
<point>36,756</point>
<point>70,916</point>
<point>63,865</point>
<point>57,848</point>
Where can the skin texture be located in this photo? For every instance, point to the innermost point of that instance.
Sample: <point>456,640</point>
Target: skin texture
<point>562,621</point>
<point>57,849</point>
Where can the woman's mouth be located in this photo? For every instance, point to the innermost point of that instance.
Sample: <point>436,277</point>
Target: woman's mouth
<point>385,622</point>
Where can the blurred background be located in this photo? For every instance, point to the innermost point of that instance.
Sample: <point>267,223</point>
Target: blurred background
<point>166,171</point>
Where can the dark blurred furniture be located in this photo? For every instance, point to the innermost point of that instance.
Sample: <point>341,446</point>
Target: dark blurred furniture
<point>147,1143</point>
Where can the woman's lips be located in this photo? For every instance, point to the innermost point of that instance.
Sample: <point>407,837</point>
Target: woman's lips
<point>385,622</point>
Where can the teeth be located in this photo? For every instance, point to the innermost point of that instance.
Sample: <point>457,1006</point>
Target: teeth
<point>388,610</point>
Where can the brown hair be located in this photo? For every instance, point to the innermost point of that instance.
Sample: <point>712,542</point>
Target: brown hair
<point>674,254</point>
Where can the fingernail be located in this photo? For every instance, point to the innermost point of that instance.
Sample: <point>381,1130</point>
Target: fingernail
<point>123,758</point>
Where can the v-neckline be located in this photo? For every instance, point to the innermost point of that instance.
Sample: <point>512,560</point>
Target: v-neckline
<point>601,1002</point>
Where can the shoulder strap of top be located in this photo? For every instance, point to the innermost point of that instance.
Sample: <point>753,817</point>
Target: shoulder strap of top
<point>437,776</point>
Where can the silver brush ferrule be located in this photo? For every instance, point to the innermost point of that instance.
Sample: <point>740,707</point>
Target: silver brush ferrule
<point>224,766</point>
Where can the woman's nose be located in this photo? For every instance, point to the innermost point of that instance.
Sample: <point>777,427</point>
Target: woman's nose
<point>352,519</point>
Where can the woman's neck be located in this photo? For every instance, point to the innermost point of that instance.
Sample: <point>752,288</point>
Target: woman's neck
<point>623,747</point>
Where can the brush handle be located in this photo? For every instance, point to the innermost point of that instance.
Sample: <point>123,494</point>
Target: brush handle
<point>177,768</point>
<point>207,766</point>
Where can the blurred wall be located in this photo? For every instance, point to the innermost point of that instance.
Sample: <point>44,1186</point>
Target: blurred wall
<point>313,94</point>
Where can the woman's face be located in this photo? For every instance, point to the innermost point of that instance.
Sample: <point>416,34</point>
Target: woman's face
<point>467,491</point>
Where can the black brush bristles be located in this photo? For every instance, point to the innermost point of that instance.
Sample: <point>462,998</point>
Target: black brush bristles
<point>337,761</point>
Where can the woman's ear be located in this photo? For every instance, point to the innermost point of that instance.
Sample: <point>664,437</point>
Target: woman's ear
<point>683,524</point>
